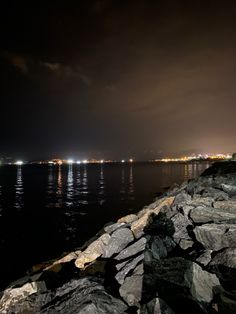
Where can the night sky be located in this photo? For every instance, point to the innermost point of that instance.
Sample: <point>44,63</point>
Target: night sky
<point>117,79</point>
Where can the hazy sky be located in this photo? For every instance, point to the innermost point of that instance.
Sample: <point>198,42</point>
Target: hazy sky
<point>114,79</point>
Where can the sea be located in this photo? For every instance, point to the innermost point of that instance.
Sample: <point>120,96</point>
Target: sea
<point>47,210</point>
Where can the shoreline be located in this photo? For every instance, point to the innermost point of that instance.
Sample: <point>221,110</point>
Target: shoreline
<point>180,248</point>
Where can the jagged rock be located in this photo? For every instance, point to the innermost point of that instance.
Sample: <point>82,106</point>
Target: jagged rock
<point>216,236</point>
<point>161,246</point>
<point>229,205</point>
<point>83,296</point>
<point>204,258</point>
<point>181,223</point>
<point>176,279</point>
<point>93,251</point>
<point>132,249</point>
<point>129,265</point>
<point>131,290</point>
<point>224,265</point>
<point>216,194</point>
<point>210,214</point>
<point>128,219</point>
<point>185,244</point>
<point>182,198</point>
<point>156,306</point>
<point>201,201</point>
<point>229,189</point>
<point>226,304</point>
<point>12,296</point>
<point>138,226</point>
<point>111,228</point>
<point>118,241</point>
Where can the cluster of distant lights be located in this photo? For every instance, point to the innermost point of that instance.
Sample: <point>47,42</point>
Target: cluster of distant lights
<point>84,161</point>
<point>200,156</point>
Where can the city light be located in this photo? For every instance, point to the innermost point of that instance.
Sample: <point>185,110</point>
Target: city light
<point>101,161</point>
<point>122,160</point>
<point>85,161</point>
<point>78,162</point>
<point>131,160</point>
<point>70,161</point>
<point>19,162</point>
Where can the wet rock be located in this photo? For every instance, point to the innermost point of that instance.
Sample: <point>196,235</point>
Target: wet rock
<point>156,306</point>
<point>93,251</point>
<point>132,249</point>
<point>210,214</point>
<point>118,241</point>
<point>131,290</point>
<point>128,219</point>
<point>129,265</point>
<point>205,258</point>
<point>216,236</point>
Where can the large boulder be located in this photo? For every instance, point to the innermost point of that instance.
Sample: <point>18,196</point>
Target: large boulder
<point>216,236</point>
<point>210,214</point>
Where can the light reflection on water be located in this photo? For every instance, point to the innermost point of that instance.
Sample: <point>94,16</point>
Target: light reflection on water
<point>19,189</point>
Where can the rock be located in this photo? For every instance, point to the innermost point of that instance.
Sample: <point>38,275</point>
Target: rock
<point>182,198</point>
<point>226,304</point>
<point>185,244</point>
<point>138,225</point>
<point>133,249</point>
<point>12,296</point>
<point>131,290</point>
<point>229,205</point>
<point>118,241</point>
<point>128,219</point>
<point>180,223</point>
<point>216,236</point>
<point>205,258</point>
<point>161,246</point>
<point>93,251</point>
<point>83,296</point>
<point>130,265</point>
<point>210,214</point>
<point>226,258</point>
<point>229,189</point>
<point>177,279</point>
<point>111,228</point>
<point>156,306</point>
<point>216,194</point>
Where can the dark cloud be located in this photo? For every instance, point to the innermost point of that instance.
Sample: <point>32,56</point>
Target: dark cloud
<point>119,78</point>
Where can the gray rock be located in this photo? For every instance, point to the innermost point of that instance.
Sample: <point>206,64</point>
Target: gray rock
<point>201,201</point>
<point>226,258</point>
<point>132,249</point>
<point>185,244</point>
<point>229,189</point>
<point>161,246</point>
<point>118,241</point>
<point>229,205</point>
<point>180,223</point>
<point>216,236</point>
<point>130,265</point>
<point>182,198</point>
<point>128,219</point>
<point>156,306</point>
<point>111,228</point>
<point>210,214</point>
<point>83,296</point>
<point>177,276</point>
<point>131,290</point>
<point>205,258</point>
<point>226,304</point>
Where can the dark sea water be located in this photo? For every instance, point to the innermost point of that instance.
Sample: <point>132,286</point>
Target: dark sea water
<point>47,210</point>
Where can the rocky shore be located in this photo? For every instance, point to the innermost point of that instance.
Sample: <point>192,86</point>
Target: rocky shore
<point>177,255</point>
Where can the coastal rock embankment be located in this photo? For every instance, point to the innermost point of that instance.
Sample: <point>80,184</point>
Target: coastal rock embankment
<point>176,255</point>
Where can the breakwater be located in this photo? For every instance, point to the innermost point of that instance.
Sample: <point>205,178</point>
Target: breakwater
<point>177,254</point>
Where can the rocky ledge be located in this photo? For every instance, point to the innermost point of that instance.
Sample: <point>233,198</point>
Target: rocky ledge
<point>176,255</point>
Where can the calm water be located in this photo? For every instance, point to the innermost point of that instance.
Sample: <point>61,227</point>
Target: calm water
<point>47,210</point>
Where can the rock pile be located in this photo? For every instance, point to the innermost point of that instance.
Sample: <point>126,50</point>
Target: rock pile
<point>176,255</point>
